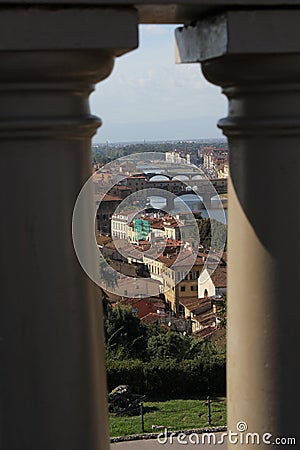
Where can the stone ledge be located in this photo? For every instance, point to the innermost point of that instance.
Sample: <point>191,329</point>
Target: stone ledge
<point>144,436</point>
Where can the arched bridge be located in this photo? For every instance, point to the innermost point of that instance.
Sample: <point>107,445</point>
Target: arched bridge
<point>184,175</point>
<point>205,188</point>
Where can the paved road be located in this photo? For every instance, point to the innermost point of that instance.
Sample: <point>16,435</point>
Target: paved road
<point>152,444</point>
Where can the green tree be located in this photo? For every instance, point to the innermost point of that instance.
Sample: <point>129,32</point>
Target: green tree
<point>205,227</point>
<point>172,345</point>
<point>204,232</point>
<point>222,313</point>
<point>125,334</point>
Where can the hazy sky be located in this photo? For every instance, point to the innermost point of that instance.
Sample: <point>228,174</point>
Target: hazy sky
<point>150,97</point>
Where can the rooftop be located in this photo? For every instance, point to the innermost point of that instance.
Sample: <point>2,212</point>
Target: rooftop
<point>190,303</point>
<point>219,276</point>
<point>155,301</point>
<point>151,318</point>
<point>120,187</point>
<point>103,240</point>
<point>99,198</point>
<point>184,258</point>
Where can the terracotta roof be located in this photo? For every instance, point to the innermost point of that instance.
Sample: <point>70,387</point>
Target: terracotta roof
<point>172,224</point>
<point>205,301</point>
<point>156,301</point>
<point>173,242</point>
<point>151,318</point>
<point>110,244</point>
<point>143,246</point>
<point>110,198</point>
<point>182,259</point>
<point>103,240</point>
<point>207,331</point>
<point>157,225</point>
<point>206,317</point>
<point>190,303</point>
<point>128,249</point>
<point>219,276</point>
<point>121,188</point>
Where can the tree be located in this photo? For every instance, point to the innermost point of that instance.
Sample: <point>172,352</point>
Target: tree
<point>128,338</point>
<point>124,332</point>
<point>172,345</point>
<point>204,232</point>
<point>205,227</point>
<point>222,313</point>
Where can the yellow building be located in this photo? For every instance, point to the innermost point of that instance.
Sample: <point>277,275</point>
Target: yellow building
<point>155,266</point>
<point>180,280</point>
<point>172,230</point>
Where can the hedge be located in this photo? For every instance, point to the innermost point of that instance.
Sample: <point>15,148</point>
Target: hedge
<point>169,378</point>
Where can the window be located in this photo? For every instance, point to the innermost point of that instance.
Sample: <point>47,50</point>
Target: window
<point>194,275</point>
<point>182,288</point>
<point>194,288</point>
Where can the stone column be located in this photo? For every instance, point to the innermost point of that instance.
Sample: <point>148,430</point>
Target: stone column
<point>255,57</point>
<point>52,376</point>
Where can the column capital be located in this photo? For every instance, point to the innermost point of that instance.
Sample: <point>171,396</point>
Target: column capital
<point>243,46</point>
<point>110,29</point>
<point>255,57</point>
<point>53,380</point>
<point>245,32</point>
<point>49,67</point>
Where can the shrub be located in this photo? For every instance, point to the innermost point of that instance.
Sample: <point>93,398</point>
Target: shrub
<point>168,378</point>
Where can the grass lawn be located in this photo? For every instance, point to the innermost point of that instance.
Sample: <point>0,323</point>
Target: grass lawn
<point>175,414</point>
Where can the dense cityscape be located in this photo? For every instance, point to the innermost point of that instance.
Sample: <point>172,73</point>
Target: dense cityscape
<point>190,305</point>
<point>161,233</point>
